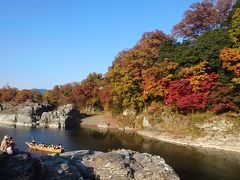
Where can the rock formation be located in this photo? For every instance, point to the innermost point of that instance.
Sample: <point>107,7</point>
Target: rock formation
<point>66,117</point>
<point>86,164</point>
<point>25,114</point>
<point>34,114</point>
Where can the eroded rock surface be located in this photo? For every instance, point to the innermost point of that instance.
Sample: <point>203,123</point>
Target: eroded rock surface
<point>119,164</point>
<point>25,114</point>
<point>86,164</point>
<point>34,114</point>
<point>66,116</point>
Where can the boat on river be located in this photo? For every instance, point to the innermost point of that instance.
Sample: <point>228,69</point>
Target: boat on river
<point>45,147</point>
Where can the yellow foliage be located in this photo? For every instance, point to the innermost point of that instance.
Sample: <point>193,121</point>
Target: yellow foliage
<point>236,80</point>
<point>194,70</point>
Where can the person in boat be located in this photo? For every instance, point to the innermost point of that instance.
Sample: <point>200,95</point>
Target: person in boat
<point>59,146</point>
<point>4,143</point>
<point>33,141</point>
<point>10,146</point>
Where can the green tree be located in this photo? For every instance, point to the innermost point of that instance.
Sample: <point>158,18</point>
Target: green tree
<point>209,45</point>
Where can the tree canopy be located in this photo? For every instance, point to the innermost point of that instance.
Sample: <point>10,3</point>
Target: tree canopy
<point>198,74</point>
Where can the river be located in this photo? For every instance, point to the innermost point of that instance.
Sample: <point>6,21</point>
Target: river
<point>188,162</point>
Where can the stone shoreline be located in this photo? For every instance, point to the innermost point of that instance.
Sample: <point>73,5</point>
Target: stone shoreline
<point>181,141</point>
<point>188,142</point>
<point>203,142</point>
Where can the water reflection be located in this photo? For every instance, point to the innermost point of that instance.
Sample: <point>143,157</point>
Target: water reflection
<point>189,163</point>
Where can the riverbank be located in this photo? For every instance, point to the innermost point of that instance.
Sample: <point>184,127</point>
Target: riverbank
<point>216,132</point>
<point>199,143</point>
<point>231,142</point>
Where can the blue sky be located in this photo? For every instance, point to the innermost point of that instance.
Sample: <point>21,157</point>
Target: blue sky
<point>53,42</point>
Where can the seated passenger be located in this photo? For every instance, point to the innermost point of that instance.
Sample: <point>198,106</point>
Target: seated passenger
<point>4,143</point>
<point>10,146</point>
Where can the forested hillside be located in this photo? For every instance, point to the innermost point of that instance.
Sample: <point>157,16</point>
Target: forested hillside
<point>196,68</point>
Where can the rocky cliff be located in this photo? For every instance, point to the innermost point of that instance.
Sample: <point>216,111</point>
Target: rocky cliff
<point>86,164</point>
<point>25,114</point>
<point>34,115</point>
<point>67,117</point>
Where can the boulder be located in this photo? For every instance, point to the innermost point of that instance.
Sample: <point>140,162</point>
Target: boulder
<point>119,164</point>
<point>66,117</point>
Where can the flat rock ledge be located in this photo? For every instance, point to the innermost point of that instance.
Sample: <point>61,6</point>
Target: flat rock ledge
<point>86,164</point>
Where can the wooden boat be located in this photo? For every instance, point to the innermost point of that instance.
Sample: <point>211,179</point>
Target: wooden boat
<point>45,147</point>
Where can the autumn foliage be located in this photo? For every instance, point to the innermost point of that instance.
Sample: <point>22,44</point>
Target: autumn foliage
<point>8,93</point>
<point>198,74</point>
<point>190,94</point>
<point>231,59</point>
<point>202,16</point>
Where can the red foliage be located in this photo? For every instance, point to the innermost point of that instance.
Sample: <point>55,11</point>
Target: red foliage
<point>183,95</point>
<point>220,100</point>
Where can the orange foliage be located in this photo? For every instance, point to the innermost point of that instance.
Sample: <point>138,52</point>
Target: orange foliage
<point>7,94</point>
<point>23,95</point>
<point>231,59</point>
<point>155,79</point>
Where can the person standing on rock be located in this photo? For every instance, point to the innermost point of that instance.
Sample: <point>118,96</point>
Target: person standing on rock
<point>4,143</point>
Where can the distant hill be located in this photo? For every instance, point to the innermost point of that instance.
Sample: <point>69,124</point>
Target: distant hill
<point>41,91</point>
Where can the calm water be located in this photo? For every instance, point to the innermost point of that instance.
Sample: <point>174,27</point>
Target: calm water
<point>189,163</point>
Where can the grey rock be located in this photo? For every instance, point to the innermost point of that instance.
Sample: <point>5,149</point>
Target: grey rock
<point>58,168</point>
<point>17,166</point>
<point>34,114</point>
<point>8,118</point>
<point>66,117</point>
<point>120,164</point>
<point>86,164</point>
<point>25,114</point>
<point>215,126</point>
